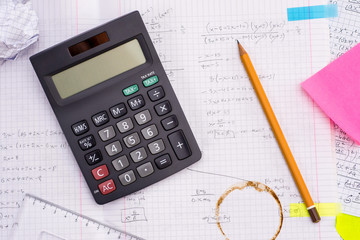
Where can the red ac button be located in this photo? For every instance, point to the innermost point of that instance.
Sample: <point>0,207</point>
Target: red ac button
<point>107,187</point>
<point>100,172</point>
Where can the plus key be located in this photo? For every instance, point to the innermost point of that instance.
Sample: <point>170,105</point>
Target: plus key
<point>179,144</point>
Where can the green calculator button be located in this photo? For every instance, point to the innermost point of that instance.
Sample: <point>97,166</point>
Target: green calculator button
<point>150,81</point>
<point>130,90</point>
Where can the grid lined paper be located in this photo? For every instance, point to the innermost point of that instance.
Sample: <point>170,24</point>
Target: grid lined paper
<point>196,43</point>
<point>344,34</point>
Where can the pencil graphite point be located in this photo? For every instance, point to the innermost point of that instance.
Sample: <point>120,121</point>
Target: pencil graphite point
<point>241,49</point>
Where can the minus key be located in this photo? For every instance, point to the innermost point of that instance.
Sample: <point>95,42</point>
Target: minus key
<point>170,122</point>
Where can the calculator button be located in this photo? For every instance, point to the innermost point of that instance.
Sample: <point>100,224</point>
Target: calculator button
<point>107,187</point>
<point>163,108</point>
<point>143,117</point>
<point>156,147</point>
<point>132,140</point>
<point>150,81</point>
<point>107,133</point>
<point>93,157</point>
<point>136,102</point>
<point>131,90</point>
<point>156,94</point>
<point>120,163</point>
<point>127,178</point>
<point>100,172</point>
<point>163,161</point>
<point>80,127</point>
<point>179,144</point>
<point>145,169</point>
<point>87,142</point>
<point>100,118</point>
<point>125,125</point>
<point>170,122</point>
<point>138,155</point>
<point>113,148</point>
<point>149,132</point>
<point>118,110</point>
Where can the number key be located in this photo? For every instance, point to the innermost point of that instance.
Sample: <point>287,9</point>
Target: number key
<point>120,163</point>
<point>149,132</point>
<point>127,178</point>
<point>125,125</point>
<point>113,148</point>
<point>156,147</point>
<point>107,133</point>
<point>138,155</point>
<point>143,117</point>
<point>132,140</point>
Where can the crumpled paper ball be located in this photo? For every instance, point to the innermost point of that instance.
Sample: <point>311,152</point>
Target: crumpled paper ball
<point>18,27</point>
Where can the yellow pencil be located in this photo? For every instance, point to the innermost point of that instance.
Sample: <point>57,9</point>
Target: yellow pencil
<point>315,217</point>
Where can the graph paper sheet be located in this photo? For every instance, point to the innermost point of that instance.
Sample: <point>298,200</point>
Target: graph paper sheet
<point>196,42</point>
<point>344,34</point>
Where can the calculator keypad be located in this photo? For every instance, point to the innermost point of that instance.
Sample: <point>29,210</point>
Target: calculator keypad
<point>113,148</point>
<point>107,133</point>
<point>147,156</point>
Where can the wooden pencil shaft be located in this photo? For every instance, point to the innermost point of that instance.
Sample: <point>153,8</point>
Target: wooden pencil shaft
<point>284,147</point>
<point>280,138</point>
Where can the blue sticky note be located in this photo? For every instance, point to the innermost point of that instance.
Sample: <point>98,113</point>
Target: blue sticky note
<point>312,12</point>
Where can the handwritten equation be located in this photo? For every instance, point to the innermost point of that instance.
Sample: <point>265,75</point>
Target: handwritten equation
<point>23,166</point>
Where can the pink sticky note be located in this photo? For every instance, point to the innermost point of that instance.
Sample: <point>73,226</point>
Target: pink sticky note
<point>336,89</point>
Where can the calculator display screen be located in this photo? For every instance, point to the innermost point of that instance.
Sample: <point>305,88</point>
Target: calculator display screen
<point>99,69</point>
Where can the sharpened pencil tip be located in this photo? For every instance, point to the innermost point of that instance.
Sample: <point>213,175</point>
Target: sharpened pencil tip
<point>241,49</point>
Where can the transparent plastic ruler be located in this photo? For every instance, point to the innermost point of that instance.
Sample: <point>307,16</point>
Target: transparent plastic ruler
<point>43,220</point>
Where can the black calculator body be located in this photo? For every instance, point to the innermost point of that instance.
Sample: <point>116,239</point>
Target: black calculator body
<point>116,107</point>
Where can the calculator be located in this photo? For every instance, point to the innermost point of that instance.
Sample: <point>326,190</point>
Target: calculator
<point>116,107</point>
